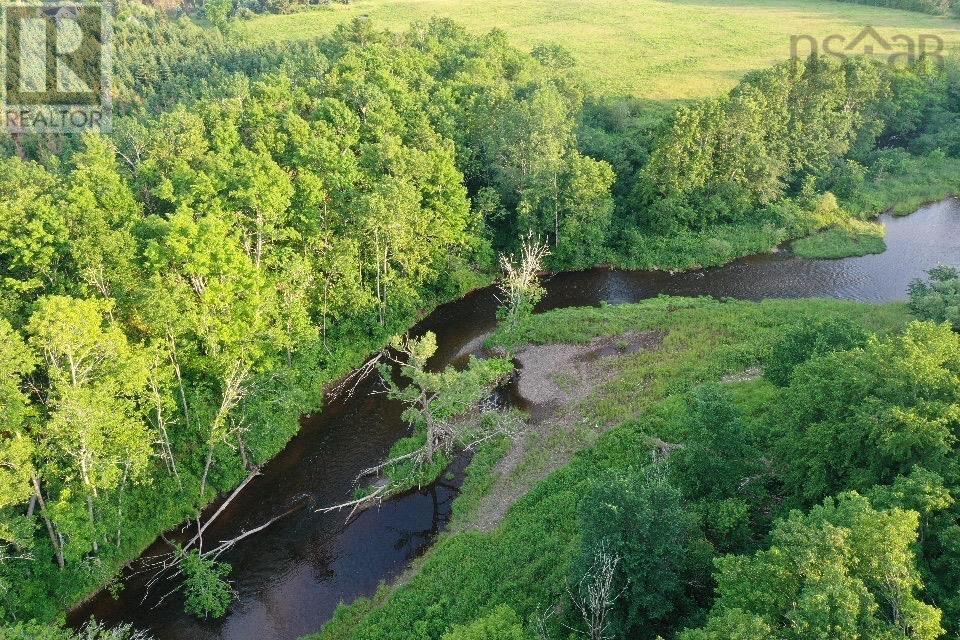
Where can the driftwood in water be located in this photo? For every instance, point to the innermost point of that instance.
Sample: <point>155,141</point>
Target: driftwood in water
<point>360,503</point>
<point>174,559</point>
<point>225,546</point>
<point>201,528</point>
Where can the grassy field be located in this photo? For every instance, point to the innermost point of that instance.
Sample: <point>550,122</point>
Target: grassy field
<point>653,49</point>
<point>918,181</point>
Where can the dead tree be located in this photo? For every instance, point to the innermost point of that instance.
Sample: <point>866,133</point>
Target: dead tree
<point>595,595</point>
<point>519,288</point>
<point>234,388</point>
<point>440,404</point>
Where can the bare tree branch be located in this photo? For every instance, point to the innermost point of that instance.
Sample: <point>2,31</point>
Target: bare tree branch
<point>594,596</point>
<point>226,503</point>
<point>348,386</point>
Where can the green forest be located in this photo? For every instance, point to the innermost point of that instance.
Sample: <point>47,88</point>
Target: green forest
<point>176,293</point>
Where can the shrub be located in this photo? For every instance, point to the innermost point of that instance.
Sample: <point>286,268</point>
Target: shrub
<point>208,594</point>
<point>807,339</point>
<point>501,624</point>
<point>939,299</point>
<point>847,178</point>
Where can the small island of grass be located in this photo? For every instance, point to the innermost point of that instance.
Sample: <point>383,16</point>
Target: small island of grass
<point>852,238</point>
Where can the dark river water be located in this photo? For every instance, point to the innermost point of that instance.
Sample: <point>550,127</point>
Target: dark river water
<point>291,576</point>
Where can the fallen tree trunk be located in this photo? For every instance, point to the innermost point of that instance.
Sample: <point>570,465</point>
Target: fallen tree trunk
<point>227,544</point>
<point>380,467</point>
<point>376,496</point>
<point>200,529</point>
<point>175,558</point>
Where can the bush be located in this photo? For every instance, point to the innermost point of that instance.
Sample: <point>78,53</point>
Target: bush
<point>939,299</point>
<point>807,339</point>
<point>208,594</point>
<point>33,631</point>
<point>894,161</point>
<point>847,178</point>
<point>91,631</point>
<point>501,624</point>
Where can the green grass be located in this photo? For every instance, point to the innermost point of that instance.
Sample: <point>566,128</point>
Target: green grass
<point>526,561</point>
<point>917,180</point>
<point>479,477</point>
<point>855,238</point>
<point>710,247</point>
<point>654,49</point>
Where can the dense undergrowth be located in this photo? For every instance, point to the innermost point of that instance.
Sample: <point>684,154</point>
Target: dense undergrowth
<point>526,563</point>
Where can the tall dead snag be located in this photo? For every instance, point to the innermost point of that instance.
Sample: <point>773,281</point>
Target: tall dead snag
<point>234,388</point>
<point>159,402</point>
<point>55,539</point>
<point>594,596</point>
<point>519,288</point>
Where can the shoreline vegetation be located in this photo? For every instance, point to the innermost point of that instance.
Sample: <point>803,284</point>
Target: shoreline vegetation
<point>823,245</point>
<point>705,341</point>
<point>842,241</point>
<point>256,226</point>
<point>725,363</point>
<point>478,470</point>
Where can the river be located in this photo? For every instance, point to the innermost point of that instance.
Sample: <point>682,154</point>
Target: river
<point>291,577</point>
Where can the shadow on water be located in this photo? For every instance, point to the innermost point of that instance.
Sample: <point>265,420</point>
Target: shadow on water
<point>291,577</point>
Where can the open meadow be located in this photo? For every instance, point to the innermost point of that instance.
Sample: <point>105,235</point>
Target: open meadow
<point>654,49</point>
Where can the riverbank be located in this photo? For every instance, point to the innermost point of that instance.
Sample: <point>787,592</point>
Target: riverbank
<point>525,561</point>
<point>915,181</point>
<point>480,506</point>
<point>852,238</point>
<point>162,524</point>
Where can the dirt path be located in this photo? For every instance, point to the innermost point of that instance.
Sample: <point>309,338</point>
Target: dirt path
<point>553,380</point>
